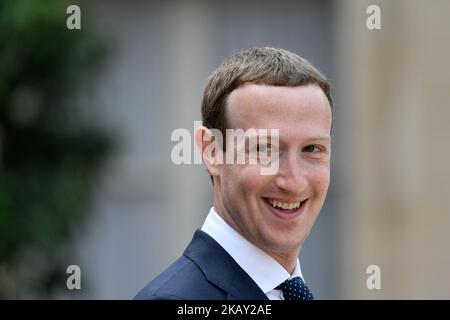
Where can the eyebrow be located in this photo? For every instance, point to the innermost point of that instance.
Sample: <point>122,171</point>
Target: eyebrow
<point>312,139</point>
<point>321,138</point>
<point>325,138</point>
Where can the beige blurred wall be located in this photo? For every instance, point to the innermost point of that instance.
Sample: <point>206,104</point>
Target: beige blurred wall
<point>394,93</point>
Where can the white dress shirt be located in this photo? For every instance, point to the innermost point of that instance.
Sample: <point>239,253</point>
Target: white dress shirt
<point>262,268</point>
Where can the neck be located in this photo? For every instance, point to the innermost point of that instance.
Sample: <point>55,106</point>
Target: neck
<point>287,261</point>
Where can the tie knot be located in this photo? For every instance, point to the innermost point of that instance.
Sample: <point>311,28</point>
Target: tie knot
<point>295,289</point>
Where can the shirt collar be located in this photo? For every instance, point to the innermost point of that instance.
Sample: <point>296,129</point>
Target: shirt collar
<point>262,268</point>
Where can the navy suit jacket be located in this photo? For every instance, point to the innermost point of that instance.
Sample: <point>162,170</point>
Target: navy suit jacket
<point>205,271</point>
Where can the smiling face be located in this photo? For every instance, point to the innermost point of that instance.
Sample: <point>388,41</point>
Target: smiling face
<point>245,198</point>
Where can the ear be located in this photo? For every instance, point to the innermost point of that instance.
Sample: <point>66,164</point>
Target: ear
<point>209,149</point>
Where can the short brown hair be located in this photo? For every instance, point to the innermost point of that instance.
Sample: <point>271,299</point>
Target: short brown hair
<point>270,66</point>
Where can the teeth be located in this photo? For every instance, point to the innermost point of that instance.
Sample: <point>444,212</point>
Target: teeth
<point>284,205</point>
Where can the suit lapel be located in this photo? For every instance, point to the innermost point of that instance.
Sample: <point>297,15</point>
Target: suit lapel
<point>221,269</point>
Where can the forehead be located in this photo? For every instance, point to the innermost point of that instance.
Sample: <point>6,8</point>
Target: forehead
<point>296,111</point>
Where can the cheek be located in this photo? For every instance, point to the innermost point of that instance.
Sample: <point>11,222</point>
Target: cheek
<point>320,180</point>
<point>252,181</point>
<point>244,180</point>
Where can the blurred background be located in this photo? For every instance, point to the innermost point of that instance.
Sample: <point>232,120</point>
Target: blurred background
<point>86,118</point>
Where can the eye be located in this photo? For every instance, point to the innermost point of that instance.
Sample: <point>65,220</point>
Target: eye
<point>311,148</point>
<point>262,148</point>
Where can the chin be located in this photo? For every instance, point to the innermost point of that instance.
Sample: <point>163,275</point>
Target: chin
<point>286,246</point>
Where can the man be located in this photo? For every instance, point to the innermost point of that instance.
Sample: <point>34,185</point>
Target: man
<point>249,244</point>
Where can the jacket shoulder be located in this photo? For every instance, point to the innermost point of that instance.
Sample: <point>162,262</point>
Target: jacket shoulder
<point>183,280</point>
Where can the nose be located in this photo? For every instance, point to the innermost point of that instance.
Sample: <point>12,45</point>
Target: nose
<point>292,175</point>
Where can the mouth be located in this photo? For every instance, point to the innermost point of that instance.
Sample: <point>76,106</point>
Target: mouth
<point>285,210</point>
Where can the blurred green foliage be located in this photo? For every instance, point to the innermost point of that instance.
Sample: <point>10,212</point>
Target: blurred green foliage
<point>48,157</point>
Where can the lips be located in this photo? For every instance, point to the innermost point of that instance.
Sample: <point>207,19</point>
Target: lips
<point>284,213</point>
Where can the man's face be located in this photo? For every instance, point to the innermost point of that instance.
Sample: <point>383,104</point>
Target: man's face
<point>245,198</point>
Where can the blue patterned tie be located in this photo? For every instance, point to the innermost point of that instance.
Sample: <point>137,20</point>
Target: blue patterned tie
<point>295,289</point>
